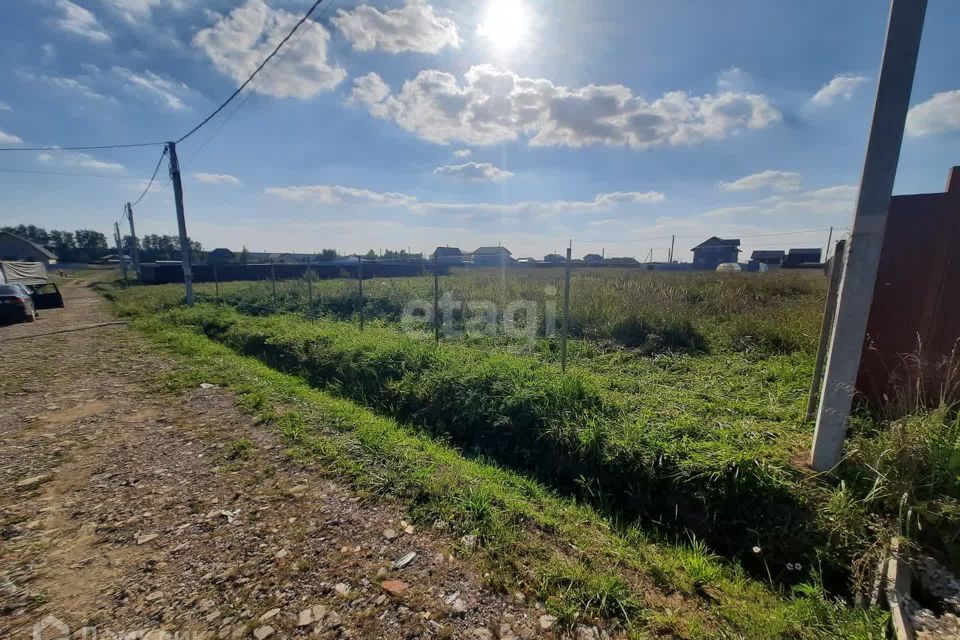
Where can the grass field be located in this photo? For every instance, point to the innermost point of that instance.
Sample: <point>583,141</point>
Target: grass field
<point>678,423</point>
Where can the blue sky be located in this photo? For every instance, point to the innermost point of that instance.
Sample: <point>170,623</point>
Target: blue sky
<point>412,124</point>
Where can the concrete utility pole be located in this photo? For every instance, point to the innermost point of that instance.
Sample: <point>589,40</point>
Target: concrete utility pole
<point>566,309</point>
<point>119,240</point>
<point>826,251</point>
<point>181,223</point>
<point>869,223</point>
<point>134,244</point>
<point>673,240</point>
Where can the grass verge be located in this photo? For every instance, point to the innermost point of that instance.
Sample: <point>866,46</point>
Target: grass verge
<point>583,566</point>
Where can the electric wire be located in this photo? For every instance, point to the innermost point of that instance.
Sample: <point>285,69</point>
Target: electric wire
<point>279,46</point>
<point>203,122</point>
<point>681,237</point>
<point>68,174</point>
<point>323,12</point>
<point>152,178</point>
<point>86,148</point>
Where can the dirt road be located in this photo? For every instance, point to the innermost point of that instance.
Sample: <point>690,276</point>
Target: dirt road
<point>136,513</point>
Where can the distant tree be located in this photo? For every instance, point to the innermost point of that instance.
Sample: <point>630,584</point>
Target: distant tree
<point>370,254</point>
<point>244,255</point>
<point>90,240</point>
<point>327,255</point>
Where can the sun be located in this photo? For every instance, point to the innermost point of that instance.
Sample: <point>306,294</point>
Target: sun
<point>505,23</point>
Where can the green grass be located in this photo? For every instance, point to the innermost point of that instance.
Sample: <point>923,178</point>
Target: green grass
<point>654,312</point>
<point>529,537</point>
<point>575,431</point>
<point>691,441</point>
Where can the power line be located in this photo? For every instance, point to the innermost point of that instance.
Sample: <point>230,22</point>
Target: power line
<point>69,173</point>
<point>87,148</point>
<point>757,235</point>
<point>239,89</point>
<point>323,11</point>
<point>300,22</point>
<point>152,178</point>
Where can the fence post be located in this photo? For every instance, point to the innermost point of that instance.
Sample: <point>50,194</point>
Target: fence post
<point>273,283</point>
<point>566,311</point>
<point>894,85</point>
<point>360,285</point>
<point>436,304</point>
<point>310,288</point>
<point>216,283</point>
<point>826,326</point>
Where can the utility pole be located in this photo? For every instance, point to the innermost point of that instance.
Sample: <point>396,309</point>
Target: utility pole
<point>360,286</point>
<point>826,252</point>
<point>181,223</point>
<point>566,309</point>
<point>894,86</point>
<point>118,238</point>
<point>135,244</point>
<point>673,240</point>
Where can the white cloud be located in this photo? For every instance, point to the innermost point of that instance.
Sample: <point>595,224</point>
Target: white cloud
<point>5,107</point>
<point>49,53</point>
<point>160,89</point>
<point>834,201</point>
<point>337,194</point>
<point>340,195</point>
<point>9,138</point>
<point>237,43</point>
<point>462,153</point>
<point>841,87</point>
<point>415,27</point>
<point>492,105</point>
<point>601,202</point>
<point>734,79</point>
<point>134,10</point>
<point>72,159</point>
<point>939,114</point>
<point>216,178</point>
<point>81,22</point>
<point>80,85</point>
<point>769,179</point>
<point>480,171</point>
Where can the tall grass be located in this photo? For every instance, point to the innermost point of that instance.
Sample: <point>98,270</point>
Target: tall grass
<point>573,430</point>
<point>706,435</point>
<point>650,311</point>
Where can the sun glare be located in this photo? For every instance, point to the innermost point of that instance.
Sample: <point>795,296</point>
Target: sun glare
<point>505,23</point>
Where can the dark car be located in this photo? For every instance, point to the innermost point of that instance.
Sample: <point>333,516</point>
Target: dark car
<point>16,303</point>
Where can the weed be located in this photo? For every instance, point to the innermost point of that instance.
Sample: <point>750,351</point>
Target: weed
<point>240,449</point>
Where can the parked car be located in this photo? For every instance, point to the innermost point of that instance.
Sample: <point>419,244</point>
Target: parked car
<point>16,303</point>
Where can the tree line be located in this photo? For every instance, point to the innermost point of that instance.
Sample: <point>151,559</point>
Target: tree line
<point>87,245</point>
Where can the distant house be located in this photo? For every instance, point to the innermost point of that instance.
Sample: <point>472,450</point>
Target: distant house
<point>623,262</point>
<point>773,258</point>
<point>447,255</point>
<point>593,258</point>
<point>714,251</point>
<point>798,257</point>
<point>221,255</point>
<point>554,258</point>
<point>491,256</point>
<point>15,248</point>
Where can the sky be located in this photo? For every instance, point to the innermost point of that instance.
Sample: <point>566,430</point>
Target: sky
<point>413,124</point>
